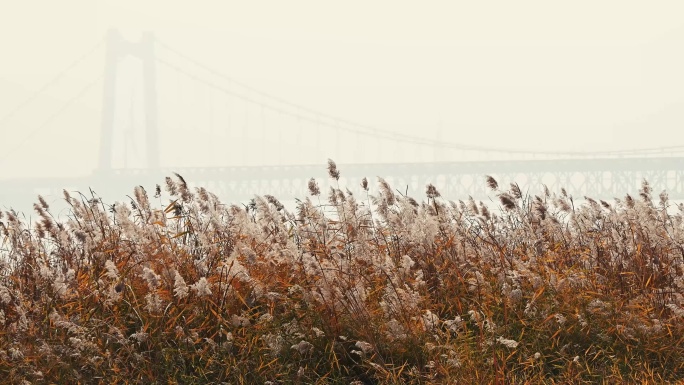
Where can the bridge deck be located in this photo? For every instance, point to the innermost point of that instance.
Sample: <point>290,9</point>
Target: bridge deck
<point>604,178</point>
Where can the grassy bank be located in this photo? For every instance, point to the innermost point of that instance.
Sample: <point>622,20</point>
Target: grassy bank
<point>378,288</point>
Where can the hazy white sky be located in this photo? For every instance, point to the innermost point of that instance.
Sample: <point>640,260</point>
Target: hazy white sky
<point>527,74</point>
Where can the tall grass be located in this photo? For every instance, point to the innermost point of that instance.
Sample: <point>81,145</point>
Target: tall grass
<point>378,288</point>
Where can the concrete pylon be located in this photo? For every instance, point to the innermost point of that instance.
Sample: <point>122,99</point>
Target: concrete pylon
<point>117,49</point>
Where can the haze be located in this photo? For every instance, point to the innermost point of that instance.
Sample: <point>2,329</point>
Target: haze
<point>537,75</point>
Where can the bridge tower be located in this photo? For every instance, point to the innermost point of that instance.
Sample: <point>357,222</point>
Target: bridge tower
<point>118,49</point>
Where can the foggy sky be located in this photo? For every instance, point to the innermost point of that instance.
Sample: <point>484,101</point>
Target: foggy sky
<point>567,76</point>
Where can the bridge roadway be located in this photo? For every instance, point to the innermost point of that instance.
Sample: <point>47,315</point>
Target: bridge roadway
<point>599,178</point>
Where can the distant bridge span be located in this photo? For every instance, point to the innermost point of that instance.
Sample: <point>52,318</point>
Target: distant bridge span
<point>123,143</point>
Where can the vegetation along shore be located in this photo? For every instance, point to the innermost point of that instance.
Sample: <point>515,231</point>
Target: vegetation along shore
<point>380,288</point>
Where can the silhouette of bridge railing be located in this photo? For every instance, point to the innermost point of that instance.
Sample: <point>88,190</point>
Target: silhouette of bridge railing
<point>604,179</point>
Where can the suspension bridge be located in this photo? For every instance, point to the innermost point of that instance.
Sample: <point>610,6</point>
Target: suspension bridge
<point>145,136</point>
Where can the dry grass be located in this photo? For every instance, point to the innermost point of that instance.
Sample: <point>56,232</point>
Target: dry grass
<point>197,291</point>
